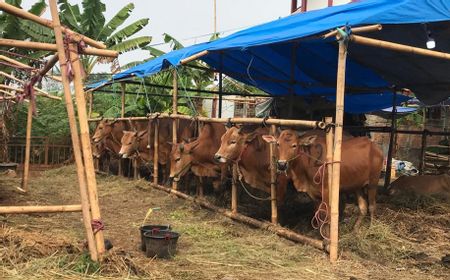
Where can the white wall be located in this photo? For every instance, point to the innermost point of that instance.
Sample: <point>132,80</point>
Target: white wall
<point>320,4</point>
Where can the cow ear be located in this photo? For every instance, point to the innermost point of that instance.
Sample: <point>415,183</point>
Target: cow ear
<point>307,141</point>
<point>240,129</point>
<point>269,138</point>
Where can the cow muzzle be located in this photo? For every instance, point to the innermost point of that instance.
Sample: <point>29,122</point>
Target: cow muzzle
<point>219,159</point>
<point>282,165</point>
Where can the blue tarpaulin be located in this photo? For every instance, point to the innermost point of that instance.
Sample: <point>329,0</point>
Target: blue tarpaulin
<point>286,56</point>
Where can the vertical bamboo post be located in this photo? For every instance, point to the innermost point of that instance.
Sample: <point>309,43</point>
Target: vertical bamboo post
<point>46,148</point>
<point>387,178</point>
<point>329,143</point>
<point>174,111</point>
<point>91,103</point>
<point>220,93</point>
<point>273,177</point>
<point>422,152</point>
<point>74,133</point>
<point>26,163</point>
<point>334,203</point>
<point>155,152</point>
<point>123,87</point>
<point>86,144</point>
<point>234,196</point>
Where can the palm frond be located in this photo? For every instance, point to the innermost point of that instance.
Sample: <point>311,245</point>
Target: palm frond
<point>92,19</point>
<point>70,15</point>
<point>154,52</point>
<point>116,21</point>
<point>127,31</point>
<point>132,44</point>
<point>38,8</point>
<point>174,43</point>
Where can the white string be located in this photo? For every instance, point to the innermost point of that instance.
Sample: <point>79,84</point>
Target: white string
<point>248,70</point>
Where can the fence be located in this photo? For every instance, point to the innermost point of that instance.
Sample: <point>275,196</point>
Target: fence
<point>45,152</point>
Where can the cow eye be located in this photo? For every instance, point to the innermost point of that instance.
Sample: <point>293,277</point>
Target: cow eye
<point>177,159</point>
<point>233,141</point>
<point>130,143</point>
<point>278,144</point>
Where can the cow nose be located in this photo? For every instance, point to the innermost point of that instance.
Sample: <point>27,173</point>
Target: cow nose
<point>217,157</point>
<point>282,165</point>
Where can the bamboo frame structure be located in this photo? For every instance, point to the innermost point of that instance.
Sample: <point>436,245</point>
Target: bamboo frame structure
<point>193,57</point>
<point>155,152</point>
<point>39,209</point>
<point>17,63</point>
<point>122,111</point>
<point>40,91</point>
<point>273,178</point>
<point>362,29</point>
<point>53,47</point>
<point>26,167</point>
<point>175,111</point>
<point>10,9</point>
<point>387,178</point>
<point>329,144</point>
<point>334,202</point>
<point>234,188</point>
<point>87,219</point>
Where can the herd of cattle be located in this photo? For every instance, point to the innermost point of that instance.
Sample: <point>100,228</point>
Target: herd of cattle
<point>208,150</point>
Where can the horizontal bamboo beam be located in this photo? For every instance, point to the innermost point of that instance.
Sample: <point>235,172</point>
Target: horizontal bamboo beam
<point>39,209</point>
<point>279,122</point>
<point>193,57</point>
<point>398,47</point>
<point>280,231</point>
<point>53,48</point>
<point>362,29</point>
<point>40,91</point>
<point>10,9</point>
<point>15,62</point>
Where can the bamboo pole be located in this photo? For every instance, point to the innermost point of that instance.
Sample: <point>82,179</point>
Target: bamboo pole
<point>13,96</point>
<point>40,91</point>
<point>362,29</point>
<point>39,209</point>
<point>26,166</point>
<point>123,86</point>
<point>10,9</point>
<point>155,152</point>
<point>334,203</point>
<point>422,152</point>
<point>329,142</point>
<point>398,47</point>
<point>273,177</point>
<point>278,122</point>
<point>234,193</point>
<point>220,93</point>
<point>91,103</point>
<point>15,62</point>
<point>74,134</point>
<point>193,57</point>
<point>86,144</point>
<point>53,47</point>
<point>387,178</point>
<point>175,111</point>
<point>273,228</point>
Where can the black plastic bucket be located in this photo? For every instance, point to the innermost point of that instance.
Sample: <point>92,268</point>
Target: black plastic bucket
<point>147,228</point>
<point>162,244</point>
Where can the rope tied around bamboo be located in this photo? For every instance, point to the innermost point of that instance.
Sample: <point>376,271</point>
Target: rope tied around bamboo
<point>81,46</point>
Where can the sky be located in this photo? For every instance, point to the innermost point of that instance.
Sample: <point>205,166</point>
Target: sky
<point>190,21</point>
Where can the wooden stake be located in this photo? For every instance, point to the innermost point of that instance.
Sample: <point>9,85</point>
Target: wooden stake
<point>26,166</point>
<point>74,134</point>
<point>398,47</point>
<point>53,47</point>
<point>234,193</point>
<point>39,209</point>
<point>155,151</point>
<point>86,144</point>
<point>329,143</point>
<point>175,111</point>
<point>423,148</point>
<point>123,86</point>
<point>10,9</point>
<point>334,203</point>
<point>273,177</point>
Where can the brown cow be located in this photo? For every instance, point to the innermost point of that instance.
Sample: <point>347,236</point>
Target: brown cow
<point>245,146</point>
<point>198,156</point>
<point>301,156</point>
<point>421,185</point>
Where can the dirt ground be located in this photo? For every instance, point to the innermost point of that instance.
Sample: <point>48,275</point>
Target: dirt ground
<point>407,241</point>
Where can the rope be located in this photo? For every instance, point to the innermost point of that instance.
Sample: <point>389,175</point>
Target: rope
<point>246,190</point>
<point>248,70</point>
<point>321,216</point>
<point>97,225</point>
<point>186,94</point>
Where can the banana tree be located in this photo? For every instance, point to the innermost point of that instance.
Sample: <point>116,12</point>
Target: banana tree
<point>90,20</point>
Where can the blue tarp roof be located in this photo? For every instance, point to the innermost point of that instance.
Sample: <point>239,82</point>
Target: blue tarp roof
<point>286,56</point>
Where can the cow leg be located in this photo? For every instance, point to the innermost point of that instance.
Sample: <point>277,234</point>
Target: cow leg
<point>199,189</point>
<point>372,196</point>
<point>362,205</point>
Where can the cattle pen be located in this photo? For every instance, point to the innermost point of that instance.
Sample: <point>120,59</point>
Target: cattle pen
<point>283,67</point>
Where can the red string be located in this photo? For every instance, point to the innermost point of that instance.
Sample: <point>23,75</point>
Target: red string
<point>97,225</point>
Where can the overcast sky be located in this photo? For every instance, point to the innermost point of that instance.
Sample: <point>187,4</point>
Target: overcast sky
<point>191,21</point>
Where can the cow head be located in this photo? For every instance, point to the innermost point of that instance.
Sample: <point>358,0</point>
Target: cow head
<point>289,145</point>
<point>130,143</point>
<point>103,130</point>
<point>98,149</point>
<point>181,159</point>
<point>233,144</point>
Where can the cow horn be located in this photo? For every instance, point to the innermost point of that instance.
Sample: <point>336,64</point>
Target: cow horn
<point>279,130</point>
<point>132,126</point>
<point>181,147</point>
<point>301,133</point>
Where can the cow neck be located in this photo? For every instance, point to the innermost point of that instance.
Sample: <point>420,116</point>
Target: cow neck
<point>138,154</point>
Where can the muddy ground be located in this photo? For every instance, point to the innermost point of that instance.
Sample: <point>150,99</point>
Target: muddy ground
<point>407,241</point>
